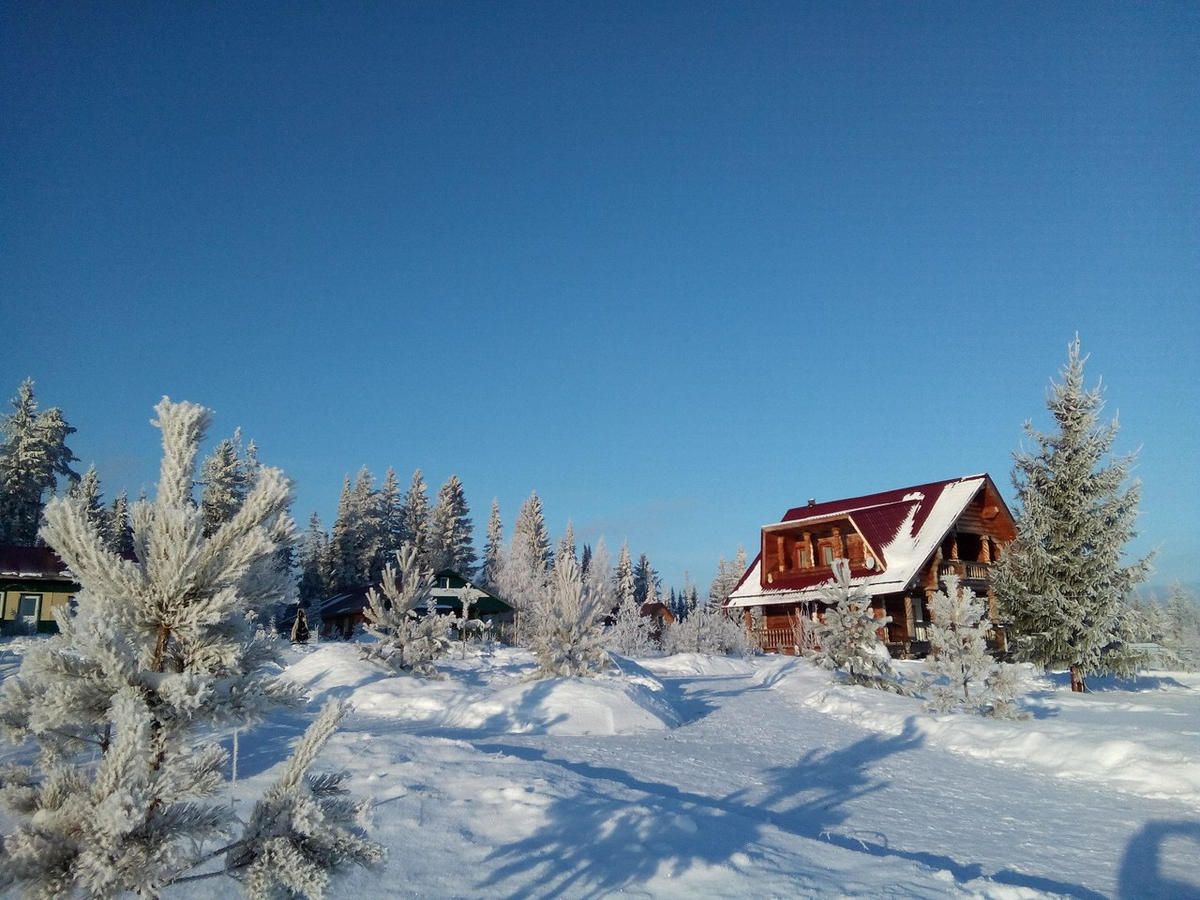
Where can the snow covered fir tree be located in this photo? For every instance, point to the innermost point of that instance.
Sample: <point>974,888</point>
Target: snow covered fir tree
<point>33,459</point>
<point>126,705</point>
<point>1064,582</point>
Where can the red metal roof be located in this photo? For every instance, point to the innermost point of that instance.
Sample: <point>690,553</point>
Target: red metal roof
<point>30,562</point>
<point>881,519</point>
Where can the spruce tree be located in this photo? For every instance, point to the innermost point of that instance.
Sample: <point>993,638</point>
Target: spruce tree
<point>1063,582</point>
<point>119,535</point>
<point>530,537</point>
<point>315,565</point>
<point>127,701</point>
<point>526,572</point>
<point>629,633</point>
<point>493,550</point>
<point>224,485</point>
<point>645,580</point>
<point>390,501</point>
<point>345,574</point>
<point>33,457</point>
<point>1181,631</point>
<point>87,491</point>
<point>566,545</point>
<point>369,550</point>
<point>623,584</point>
<point>416,514</point>
<point>451,542</point>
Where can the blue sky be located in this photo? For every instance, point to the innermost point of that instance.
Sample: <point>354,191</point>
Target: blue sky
<point>677,267</point>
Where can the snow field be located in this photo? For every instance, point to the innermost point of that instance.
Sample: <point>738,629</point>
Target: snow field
<point>691,777</point>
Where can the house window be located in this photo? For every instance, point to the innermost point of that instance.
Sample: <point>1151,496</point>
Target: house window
<point>28,606</point>
<point>827,555</point>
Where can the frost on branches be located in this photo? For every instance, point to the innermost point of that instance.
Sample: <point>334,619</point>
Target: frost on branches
<point>1064,582</point>
<point>849,637</point>
<point>567,637</point>
<point>707,629</point>
<point>961,675</point>
<point>409,633</point>
<point>126,702</point>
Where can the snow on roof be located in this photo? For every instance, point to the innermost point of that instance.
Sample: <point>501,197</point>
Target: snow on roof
<point>903,528</point>
<point>31,562</point>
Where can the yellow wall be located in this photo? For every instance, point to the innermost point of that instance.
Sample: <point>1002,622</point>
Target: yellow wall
<point>50,600</point>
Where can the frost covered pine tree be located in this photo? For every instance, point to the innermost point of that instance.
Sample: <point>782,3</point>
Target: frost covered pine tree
<point>416,513</point>
<point>568,637</point>
<point>708,629</point>
<point>227,476</point>
<point>119,535</point>
<point>527,570</point>
<point>728,575</point>
<point>126,702</point>
<point>623,583</point>
<point>645,580</point>
<point>849,636</point>
<point>87,491</point>
<point>451,534</point>
<point>493,549</point>
<point>1181,627</point>
<point>1063,582</point>
<point>33,456</point>
<point>390,502</point>
<point>409,634</point>
<point>960,672</point>
<point>629,633</point>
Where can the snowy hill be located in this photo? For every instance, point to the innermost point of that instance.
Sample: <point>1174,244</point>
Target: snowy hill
<point>694,777</point>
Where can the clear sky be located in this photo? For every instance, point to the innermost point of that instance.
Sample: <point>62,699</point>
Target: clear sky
<point>676,266</point>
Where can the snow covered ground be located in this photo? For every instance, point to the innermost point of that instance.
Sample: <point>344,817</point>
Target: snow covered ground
<point>695,777</point>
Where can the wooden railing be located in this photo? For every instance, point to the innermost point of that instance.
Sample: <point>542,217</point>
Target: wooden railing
<point>966,570</point>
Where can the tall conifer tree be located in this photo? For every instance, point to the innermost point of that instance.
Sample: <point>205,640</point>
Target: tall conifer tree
<point>1064,581</point>
<point>33,457</point>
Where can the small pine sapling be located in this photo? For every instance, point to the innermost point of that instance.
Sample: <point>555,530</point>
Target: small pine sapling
<point>409,634</point>
<point>463,621</point>
<point>848,638</point>
<point>569,639</point>
<point>961,675</point>
<point>162,653</point>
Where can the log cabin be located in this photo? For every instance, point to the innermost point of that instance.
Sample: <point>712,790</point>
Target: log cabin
<point>898,544</point>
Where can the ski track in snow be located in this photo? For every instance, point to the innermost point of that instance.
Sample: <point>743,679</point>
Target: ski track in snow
<point>691,777</point>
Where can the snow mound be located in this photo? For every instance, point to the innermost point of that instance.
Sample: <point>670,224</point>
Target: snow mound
<point>493,695</point>
<point>697,664</point>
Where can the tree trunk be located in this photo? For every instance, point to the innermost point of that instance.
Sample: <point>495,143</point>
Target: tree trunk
<point>1077,682</point>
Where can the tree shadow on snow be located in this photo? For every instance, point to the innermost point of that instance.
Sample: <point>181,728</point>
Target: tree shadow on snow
<point>1149,868</point>
<point>604,839</point>
<point>1105,683</point>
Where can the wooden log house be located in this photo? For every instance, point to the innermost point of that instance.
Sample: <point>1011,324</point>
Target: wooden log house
<point>898,544</point>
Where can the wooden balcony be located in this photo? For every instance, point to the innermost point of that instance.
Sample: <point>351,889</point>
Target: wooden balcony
<point>972,574</point>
